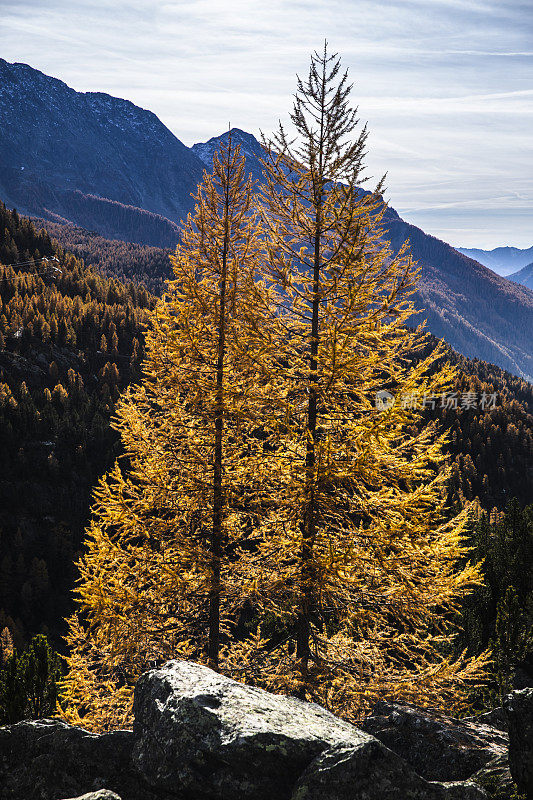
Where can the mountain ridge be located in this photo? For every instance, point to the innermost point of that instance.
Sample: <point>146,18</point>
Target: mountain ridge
<point>524,276</point>
<point>449,282</point>
<point>56,141</point>
<point>105,164</point>
<point>503,260</point>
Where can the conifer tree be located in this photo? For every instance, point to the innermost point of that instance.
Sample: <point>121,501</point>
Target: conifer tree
<point>269,518</point>
<point>170,521</point>
<point>358,578</point>
<point>512,640</point>
<point>6,645</point>
<point>29,681</point>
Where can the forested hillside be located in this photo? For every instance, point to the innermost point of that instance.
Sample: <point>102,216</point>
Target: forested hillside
<point>492,447</point>
<point>124,260</point>
<point>477,312</point>
<point>71,339</point>
<point>499,614</point>
<point>116,220</point>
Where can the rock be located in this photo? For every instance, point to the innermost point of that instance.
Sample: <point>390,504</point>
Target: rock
<point>497,718</point>
<point>48,759</point>
<point>216,738</point>
<point>370,771</point>
<point>438,747</point>
<point>101,794</point>
<point>463,790</point>
<point>201,736</point>
<point>519,708</point>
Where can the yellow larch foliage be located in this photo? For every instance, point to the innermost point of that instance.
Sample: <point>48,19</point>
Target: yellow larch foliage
<point>362,568</point>
<point>269,518</point>
<point>6,646</point>
<point>171,517</point>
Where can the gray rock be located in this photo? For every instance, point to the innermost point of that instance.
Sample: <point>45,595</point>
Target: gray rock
<point>370,771</point>
<point>462,790</point>
<point>438,747</point>
<point>101,794</point>
<point>201,736</point>
<point>47,759</point>
<point>519,708</point>
<point>212,737</point>
<point>497,718</point>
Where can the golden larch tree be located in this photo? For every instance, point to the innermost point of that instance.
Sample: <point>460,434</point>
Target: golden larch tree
<point>269,518</point>
<point>362,568</point>
<point>170,519</point>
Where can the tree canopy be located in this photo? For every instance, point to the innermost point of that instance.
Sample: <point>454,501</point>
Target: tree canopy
<point>269,517</point>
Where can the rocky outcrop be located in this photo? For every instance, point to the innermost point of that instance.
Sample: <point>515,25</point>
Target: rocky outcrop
<point>214,737</point>
<point>519,708</point>
<point>370,771</point>
<point>201,736</point>
<point>496,718</point>
<point>101,794</point>
<point>441,748</point>
<point>47,760</point>
<point>220,740</point>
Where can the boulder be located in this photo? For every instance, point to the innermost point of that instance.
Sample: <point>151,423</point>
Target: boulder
<point>496,718</point>
<point>201,736</point>
<point>438,747</point>
<point>370,771</point>
<point>519,708</point>
<point>48,759</point>
<point>101,794</point>
<point>210,737</point>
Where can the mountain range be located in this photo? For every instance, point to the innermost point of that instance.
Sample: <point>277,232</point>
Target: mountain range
<point>92,159</point>
<point>524,276</point>
<point>106,165</point>
<point>506,261</point>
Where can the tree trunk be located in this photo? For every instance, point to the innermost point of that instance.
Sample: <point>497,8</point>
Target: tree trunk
<point>303,651</point>
<point>216,534</point>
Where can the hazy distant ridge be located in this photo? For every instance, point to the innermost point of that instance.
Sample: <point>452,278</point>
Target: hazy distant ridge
<point>524,276</point>
<point>503,260</point>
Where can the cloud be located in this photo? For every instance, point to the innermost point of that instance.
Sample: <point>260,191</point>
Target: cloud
<point>445,84</point>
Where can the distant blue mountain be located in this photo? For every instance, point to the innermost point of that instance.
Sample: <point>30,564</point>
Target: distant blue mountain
<point>523,276</point>
<point>503,260</point>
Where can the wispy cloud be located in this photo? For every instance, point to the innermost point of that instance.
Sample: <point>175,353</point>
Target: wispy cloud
<point>446,85</point>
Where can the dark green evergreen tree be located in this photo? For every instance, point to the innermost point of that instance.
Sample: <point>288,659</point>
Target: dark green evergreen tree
<point>29,683</point>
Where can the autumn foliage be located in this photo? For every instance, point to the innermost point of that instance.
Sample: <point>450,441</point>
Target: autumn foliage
<point>268,517</point>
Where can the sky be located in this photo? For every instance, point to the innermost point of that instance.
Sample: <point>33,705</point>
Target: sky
<point>446,86</point>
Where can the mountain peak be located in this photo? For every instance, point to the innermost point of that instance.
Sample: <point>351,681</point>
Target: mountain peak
<point>250,147</point>
<point>62,150</point>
